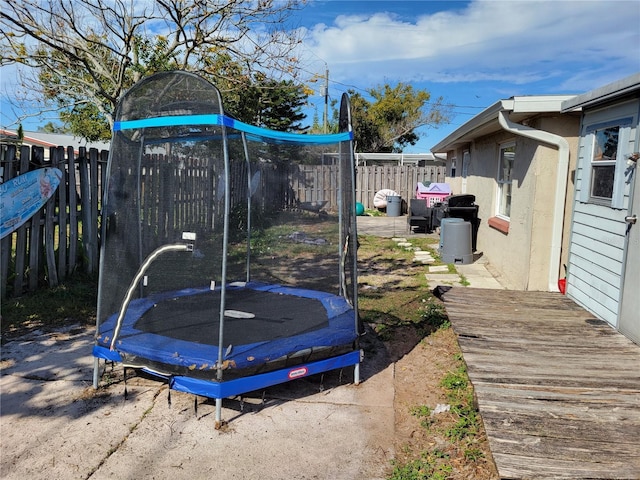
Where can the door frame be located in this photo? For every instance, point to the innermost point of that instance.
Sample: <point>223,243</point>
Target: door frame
<point>628,316</point>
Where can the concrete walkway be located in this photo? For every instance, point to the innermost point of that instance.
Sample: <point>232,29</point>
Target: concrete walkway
<point>478,274</point>
<point>54,425</point>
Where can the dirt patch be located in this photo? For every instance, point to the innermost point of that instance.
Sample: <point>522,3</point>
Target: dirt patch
<point>418,377</point>
<point>438,435</point>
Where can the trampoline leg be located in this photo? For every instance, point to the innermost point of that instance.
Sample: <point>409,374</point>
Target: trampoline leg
<point>218,413</point>
<point>96,370</point>
<point>356,374</point>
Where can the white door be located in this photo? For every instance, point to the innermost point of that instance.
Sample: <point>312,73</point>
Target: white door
<point>629,323</point>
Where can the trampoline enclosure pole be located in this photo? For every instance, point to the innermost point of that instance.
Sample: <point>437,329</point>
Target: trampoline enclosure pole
<point>96,369</point>
<point>218,413</point>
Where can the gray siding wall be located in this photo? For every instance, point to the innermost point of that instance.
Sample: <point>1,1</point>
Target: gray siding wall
<point>596,252</point>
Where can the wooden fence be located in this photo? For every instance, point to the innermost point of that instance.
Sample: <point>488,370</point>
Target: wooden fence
<point>63,237</point>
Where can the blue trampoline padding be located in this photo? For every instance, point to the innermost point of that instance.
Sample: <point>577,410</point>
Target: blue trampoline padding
<point>229,388</point>
<point>106,354</point>
<point>255,133</point>
<point>248,384</point>
<point>341,331</point>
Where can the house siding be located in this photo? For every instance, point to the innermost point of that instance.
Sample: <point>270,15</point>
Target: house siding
<point>597,250</point>
<point>522,255</point>
<point>508,253</point>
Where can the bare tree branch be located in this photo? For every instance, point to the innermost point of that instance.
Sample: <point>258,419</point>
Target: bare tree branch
<point>91,51</point>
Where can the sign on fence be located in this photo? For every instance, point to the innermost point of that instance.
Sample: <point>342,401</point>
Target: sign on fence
<point>22,196</point>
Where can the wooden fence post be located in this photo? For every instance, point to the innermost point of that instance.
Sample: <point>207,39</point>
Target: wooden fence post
<point>35,245</point>
<point>73,209</point>
<point>88,230</point>
<point>7,159</point>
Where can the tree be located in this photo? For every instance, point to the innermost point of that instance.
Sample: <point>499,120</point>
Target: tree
<point>264,101</point>
<point>280,105</point>
<point>317,125</point>
<point>388,122</point>
<point>87,53</point>
<point>51,127</point>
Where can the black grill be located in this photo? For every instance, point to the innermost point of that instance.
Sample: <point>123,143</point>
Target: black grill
<point>459,206</point>
<point>463,200</point>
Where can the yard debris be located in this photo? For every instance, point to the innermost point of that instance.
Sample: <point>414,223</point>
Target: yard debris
<point>301,237</point>
<point>440,408</point>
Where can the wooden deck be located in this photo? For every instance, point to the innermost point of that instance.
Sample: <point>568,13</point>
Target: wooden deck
<point>557,389</point>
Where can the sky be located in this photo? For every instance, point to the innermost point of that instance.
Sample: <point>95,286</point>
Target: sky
<point>471,53</point>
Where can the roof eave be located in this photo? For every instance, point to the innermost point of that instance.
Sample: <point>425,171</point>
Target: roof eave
<point>487,120</point>
<point>603,94</point>
<point>488,115</point>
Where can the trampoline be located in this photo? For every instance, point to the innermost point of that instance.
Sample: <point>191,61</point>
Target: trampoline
<point>215,274</point>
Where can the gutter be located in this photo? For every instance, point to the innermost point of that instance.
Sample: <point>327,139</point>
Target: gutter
<point>561,187</point>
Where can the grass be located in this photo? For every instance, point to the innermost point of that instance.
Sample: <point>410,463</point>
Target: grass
<point>71,302</point>
<point>373,212</point>
<point>392,292</point>
<point>428,467</point>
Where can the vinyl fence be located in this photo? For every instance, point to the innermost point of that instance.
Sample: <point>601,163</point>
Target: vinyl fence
<point>401,179</point>
<point>64,236</point>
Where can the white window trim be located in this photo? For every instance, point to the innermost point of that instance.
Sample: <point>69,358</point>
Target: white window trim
<point>589,138</point>
<point>501,146</point>
<point>466,158</point>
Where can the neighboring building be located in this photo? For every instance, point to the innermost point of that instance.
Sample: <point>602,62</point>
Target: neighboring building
<point>517,157</point>
<point>46,140</point>
<point>604,252</point>
<point>416,159</point>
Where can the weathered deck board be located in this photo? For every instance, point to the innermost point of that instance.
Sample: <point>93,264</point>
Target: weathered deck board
<point>558,390</point>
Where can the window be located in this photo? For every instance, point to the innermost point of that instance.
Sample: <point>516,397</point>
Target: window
<point>505,169</point>
<point>603,162</point>
<point>605,146</point>
<point>465,163</point>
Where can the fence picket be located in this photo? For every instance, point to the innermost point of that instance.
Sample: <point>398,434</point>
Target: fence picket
<point>7,157</point>
<point>402,179</point>
<point>57,161</point>
<point>94,202</point>
<point>73,209</point>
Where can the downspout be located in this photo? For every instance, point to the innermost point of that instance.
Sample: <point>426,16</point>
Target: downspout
<point>561,188</point>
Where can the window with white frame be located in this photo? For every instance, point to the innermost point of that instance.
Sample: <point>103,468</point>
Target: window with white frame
<point>603,162</point>
<point>465,163</point>
<point>606,145</point>
<point>505,170</point>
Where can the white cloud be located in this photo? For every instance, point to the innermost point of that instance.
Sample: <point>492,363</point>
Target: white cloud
<point>514,41</point>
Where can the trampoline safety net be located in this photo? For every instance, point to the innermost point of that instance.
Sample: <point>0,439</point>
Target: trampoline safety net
<point>228,251</point>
